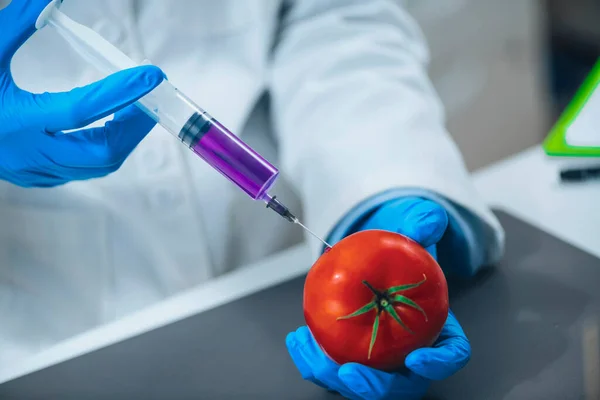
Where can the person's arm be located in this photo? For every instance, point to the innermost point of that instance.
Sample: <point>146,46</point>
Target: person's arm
<point>359,123</point>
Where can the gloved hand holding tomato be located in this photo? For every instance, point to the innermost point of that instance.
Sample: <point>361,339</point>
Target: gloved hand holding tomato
<point>425,222</point>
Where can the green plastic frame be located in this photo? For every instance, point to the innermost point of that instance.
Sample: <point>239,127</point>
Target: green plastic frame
<point>555,143</point>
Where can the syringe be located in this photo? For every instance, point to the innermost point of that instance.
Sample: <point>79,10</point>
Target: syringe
<point>175,112</point>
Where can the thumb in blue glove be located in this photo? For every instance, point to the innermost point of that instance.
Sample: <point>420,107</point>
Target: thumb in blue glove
<point>421,220</point>
<point>425,222</point>
<point>33,149</point>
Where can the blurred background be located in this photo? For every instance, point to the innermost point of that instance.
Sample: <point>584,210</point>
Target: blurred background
<point>505,69</point>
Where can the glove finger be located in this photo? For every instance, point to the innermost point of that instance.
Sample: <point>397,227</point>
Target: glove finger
<point>441,362</point>
<point>80,155</point>
<point>423,220</point>
<point>369,383</point>
<point>292,345</point>
<point>449,355</point>
<point>39,178</point>
<point>432,250</point>
<point>301,364</point>
<point>129,127</point>
<point>451,329</point>
<point>29,179</point>
<point>18,24</point>
<point>32,161</point>
<point>81,106</point>
<point>51,175</point>
<point>318,368</point>
<point>99,151</point>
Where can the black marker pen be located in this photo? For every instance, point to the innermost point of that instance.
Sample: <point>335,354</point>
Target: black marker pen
<point>579,174</point>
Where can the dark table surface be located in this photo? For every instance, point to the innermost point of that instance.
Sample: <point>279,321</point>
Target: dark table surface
<point>525,319</point>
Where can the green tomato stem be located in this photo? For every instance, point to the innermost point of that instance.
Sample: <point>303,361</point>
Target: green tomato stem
<point>374,334</point>
<point>384,301</point>
<point>372,289</point>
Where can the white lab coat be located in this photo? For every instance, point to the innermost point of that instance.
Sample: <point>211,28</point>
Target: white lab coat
<point>334,92</point>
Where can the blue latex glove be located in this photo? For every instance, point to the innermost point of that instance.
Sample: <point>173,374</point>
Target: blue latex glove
<point>425,222</point>
<point>33,149</point>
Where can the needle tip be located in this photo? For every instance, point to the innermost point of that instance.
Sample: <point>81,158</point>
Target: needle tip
<point>297,221</point>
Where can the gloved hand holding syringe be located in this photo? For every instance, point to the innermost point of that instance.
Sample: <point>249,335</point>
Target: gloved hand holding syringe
<point>175,112</point>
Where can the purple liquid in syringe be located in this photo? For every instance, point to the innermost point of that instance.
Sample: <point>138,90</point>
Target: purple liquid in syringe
<point>229,155</point>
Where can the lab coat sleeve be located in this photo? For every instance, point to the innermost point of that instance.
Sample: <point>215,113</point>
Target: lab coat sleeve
<point>356,116</point>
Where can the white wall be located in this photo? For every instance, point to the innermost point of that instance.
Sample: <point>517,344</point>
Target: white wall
<point>487,67</point>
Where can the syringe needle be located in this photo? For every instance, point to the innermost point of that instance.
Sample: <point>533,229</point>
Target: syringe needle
<point>282,210</point>
<point>296,221</point>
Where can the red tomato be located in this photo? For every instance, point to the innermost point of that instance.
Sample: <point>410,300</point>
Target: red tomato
<point>375,297</point>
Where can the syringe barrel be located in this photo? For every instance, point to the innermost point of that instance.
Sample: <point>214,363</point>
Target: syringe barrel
<point>210,140</point>
<point>176,113</point>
